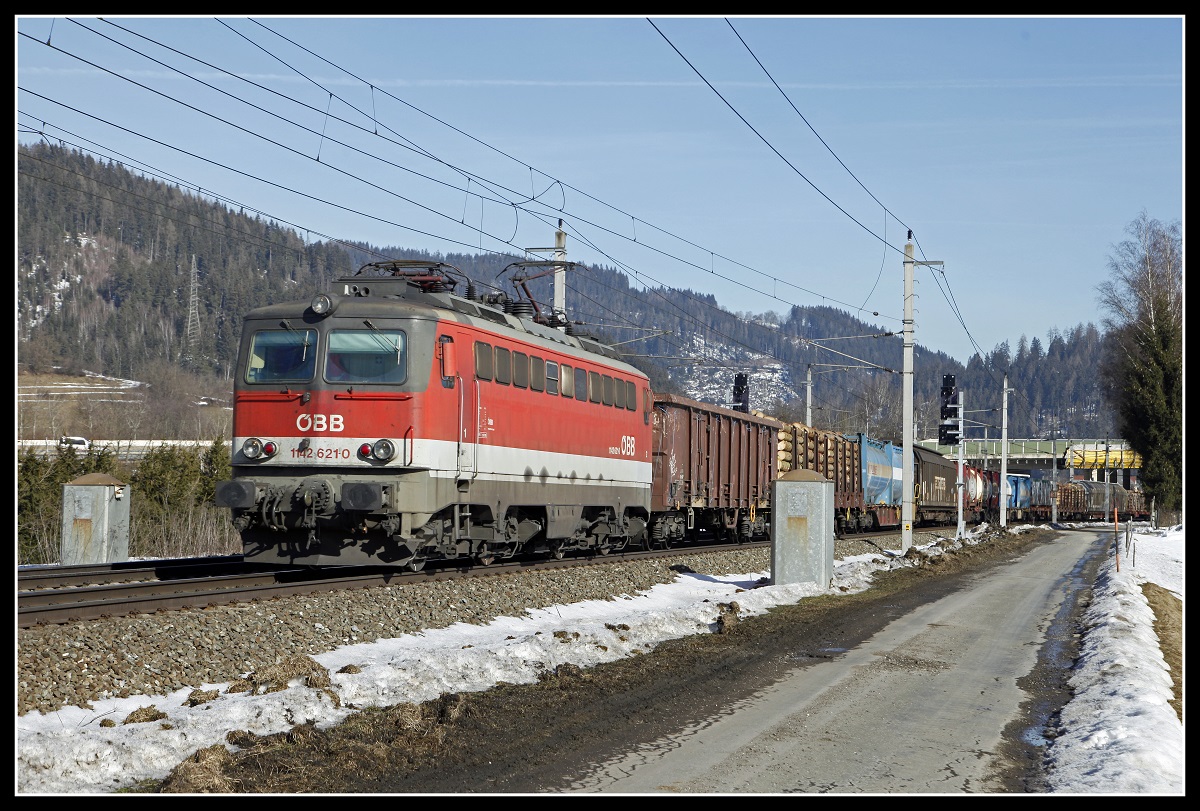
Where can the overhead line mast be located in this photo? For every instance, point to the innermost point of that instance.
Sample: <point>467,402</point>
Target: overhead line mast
<point>907,512</point>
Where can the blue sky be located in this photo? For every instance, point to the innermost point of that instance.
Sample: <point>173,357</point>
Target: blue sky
<point>1017,150</point>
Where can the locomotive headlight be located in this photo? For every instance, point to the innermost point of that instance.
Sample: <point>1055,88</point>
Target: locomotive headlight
<point>254,448</point>
<point>322,304</point>
<point>383,450</point>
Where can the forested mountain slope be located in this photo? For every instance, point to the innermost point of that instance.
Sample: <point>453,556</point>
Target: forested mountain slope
<point>106,260</point>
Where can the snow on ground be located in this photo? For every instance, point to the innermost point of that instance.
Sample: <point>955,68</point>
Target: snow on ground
<point>1119,734</point>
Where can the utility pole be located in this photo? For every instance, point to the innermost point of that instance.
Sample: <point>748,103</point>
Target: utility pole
<point>1004,455</point>
<point>906,510</point>
<point>1054,474</point>
<point>962,530</point>
<point>560,275</point>
<point>906,507</point>
<point>808,397</point>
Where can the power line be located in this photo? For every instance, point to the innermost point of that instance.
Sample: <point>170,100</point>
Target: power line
<point>345,208</point>
<point>810,126</point>
<point>565,185</point>
<point>477,178</point>
<point>771,146</point>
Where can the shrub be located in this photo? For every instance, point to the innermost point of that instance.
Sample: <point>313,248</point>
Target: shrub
<point>171,513</point>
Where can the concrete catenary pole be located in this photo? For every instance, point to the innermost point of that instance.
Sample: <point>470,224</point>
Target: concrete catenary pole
<point>808,397</point>
<point>560,273</point>
<point>962,529</point>
<point>906,508</point>
<point>1054,475</point>
<point>1004,455</point>
<point>907,513</point>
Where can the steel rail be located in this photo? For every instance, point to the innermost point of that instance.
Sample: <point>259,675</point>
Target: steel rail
<point>58,606</point>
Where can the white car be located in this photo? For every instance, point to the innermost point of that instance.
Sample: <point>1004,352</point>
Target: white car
<point>80,444</point>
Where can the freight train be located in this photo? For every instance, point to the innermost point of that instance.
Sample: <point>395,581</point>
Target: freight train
<point>392,421</point>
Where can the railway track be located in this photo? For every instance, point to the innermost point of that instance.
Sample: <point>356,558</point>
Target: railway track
<point>55,577</point>
<point>58,595</point>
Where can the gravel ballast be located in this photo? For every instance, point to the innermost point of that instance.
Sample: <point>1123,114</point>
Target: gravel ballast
<point>74,664</point>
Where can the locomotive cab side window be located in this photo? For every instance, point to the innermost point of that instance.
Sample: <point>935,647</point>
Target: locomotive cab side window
<point>279,355</point>
<point>366,356</point>
<point>630,395</point>
<point>581,384</point>
<point>520,367</point>
<point>503,370</point>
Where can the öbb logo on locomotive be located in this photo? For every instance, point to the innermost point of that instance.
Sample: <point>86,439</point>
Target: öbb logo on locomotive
<point>319,423</point>
<point>398,423</point>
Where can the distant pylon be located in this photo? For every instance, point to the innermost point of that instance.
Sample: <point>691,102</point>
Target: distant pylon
<point>193,324</point>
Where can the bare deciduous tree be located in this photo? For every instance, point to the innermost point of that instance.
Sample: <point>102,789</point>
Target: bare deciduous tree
<point>1142,370</point>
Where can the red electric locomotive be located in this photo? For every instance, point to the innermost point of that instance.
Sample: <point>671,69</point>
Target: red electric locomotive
<point>393,422</point>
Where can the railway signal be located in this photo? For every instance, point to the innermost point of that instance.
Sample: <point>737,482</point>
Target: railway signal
<point>948,433</point>
<point>741,393</point>
<point>949,398</point>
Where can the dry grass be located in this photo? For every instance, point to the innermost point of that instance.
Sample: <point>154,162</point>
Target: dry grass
<point>400,735</point>
<point>51,405</point>
<point>1168,625</point>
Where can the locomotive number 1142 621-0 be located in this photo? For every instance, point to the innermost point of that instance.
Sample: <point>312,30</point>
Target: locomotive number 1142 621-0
<point>321,453</point>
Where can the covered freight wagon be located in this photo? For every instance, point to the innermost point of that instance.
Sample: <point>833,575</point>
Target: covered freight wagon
<point>882,481</point>
<point>1041,498</point>
<point>935,487</point>
<point>1019,496</point>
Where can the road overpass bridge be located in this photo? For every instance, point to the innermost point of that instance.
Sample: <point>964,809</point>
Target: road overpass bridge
<point>1101,459</point>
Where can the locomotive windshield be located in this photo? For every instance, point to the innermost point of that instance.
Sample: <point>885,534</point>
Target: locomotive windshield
<point>366,356</point>
<point>282,355</point>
